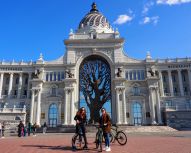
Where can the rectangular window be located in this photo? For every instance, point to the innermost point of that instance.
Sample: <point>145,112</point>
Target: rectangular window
<point>164,78</point>
<point>50,76</point>
<point>134,75</point>
<point>25,92</point>
<point>6,92</point>
<point>47,76</point>
<point>17,81</point>
<point>143,75</point>
<point>7,80</point>
<point>126,75</point>
<point>184,78</point>
<point>58,76</point>
<point>175,90</point>
<point>15,92</point>
<point>26,80</point>
<point>174,78</point>
<point>130,75</point>
<point>63,76</point>
<point>55,76</point>
<point>139,75</point>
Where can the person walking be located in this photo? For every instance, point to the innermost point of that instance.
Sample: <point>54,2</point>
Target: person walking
<point>3,130</point>
<point>34,127</point>
<point>80,119</point>
<point>29,129</point>
<point>44,128</point>
<point>105,124</point>
<point>20,129</point>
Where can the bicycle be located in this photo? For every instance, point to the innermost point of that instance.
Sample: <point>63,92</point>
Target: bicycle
<point>118,135</point>
<point>99,138</point>
<point>78,141</point>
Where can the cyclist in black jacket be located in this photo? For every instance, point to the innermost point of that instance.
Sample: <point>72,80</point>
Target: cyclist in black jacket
<point>80,119</point>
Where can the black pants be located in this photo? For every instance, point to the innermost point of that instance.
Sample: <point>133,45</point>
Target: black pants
<point>81,130</point>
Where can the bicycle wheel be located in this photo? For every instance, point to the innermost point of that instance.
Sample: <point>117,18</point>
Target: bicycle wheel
<point>121,138</point>
<point>78,141</point>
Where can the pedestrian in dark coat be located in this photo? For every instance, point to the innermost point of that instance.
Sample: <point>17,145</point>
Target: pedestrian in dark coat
<point>20,128</point>
<point>34,127</point>
<point>29,129</point>
<point>80,119</point>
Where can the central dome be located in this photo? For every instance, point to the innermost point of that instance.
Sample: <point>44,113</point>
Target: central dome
<point>94,21</point>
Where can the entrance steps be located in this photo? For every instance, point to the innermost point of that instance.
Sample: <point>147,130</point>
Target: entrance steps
<point>128,129</point>
<point>137,129</point>
<point>92,129</point>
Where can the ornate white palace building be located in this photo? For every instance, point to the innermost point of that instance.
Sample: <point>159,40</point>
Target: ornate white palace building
<point>48,91</point>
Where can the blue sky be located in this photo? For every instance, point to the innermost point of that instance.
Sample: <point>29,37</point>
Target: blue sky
<point>28,28</point>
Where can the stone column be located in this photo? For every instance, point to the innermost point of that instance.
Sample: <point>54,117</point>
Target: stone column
<point>10,85</point>
<point>124,109</point>
<point>152,106</point>
<point>38,112</point>
<point>32,107</point>
<point>158,107</point>
<point>1,84</point>
<point>28,86</point>
<point>117,106</point>
<point>161,84</point>
<point>65,107</point>
<point>72,107</point>
<point>180,83</point>
<point>170,83</point>
<point>19,86</point>
<point>189,78</point>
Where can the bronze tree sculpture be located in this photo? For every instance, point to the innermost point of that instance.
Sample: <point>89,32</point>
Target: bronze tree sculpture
<point>95,85</point>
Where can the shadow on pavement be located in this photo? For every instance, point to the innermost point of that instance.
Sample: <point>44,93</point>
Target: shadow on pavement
<point>50,147</point>
<point>60,148</point>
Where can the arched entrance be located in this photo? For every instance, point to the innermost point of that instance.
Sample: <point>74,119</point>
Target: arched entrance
<point>95,86</point>
<point>53,115</point>
<point>137,113</point>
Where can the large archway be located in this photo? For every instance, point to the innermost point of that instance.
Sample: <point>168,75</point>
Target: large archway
<point>95,86</point>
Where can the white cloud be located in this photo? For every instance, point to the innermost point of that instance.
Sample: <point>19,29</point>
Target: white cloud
<point>123,19</point>
<point>147,7</point>
<point>146,20</point>
<point>172,2</point>
<point>153,20</point>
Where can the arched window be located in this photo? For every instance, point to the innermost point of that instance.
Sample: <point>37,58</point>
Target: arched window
<point>53,115</point>
<point>137,113</point>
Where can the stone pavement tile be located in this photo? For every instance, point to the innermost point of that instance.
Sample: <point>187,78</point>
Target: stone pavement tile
<point>61,143</point>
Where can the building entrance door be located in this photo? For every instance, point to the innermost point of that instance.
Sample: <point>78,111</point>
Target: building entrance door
<point>137,114</point>
<point>53,115</point>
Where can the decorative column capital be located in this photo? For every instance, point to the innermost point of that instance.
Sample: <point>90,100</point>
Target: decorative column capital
<point>68,89</point>
<point>120,88</point>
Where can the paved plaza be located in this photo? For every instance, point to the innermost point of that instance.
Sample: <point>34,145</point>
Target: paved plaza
<point>172,142</point>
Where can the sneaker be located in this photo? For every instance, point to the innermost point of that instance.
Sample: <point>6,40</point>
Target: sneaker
<point>105,148</point>
<point>108,149</point>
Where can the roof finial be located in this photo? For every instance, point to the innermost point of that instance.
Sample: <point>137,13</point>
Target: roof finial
<point>94,7</point>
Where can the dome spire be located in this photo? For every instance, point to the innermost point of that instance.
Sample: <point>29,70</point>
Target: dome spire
<point>94,7</point>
